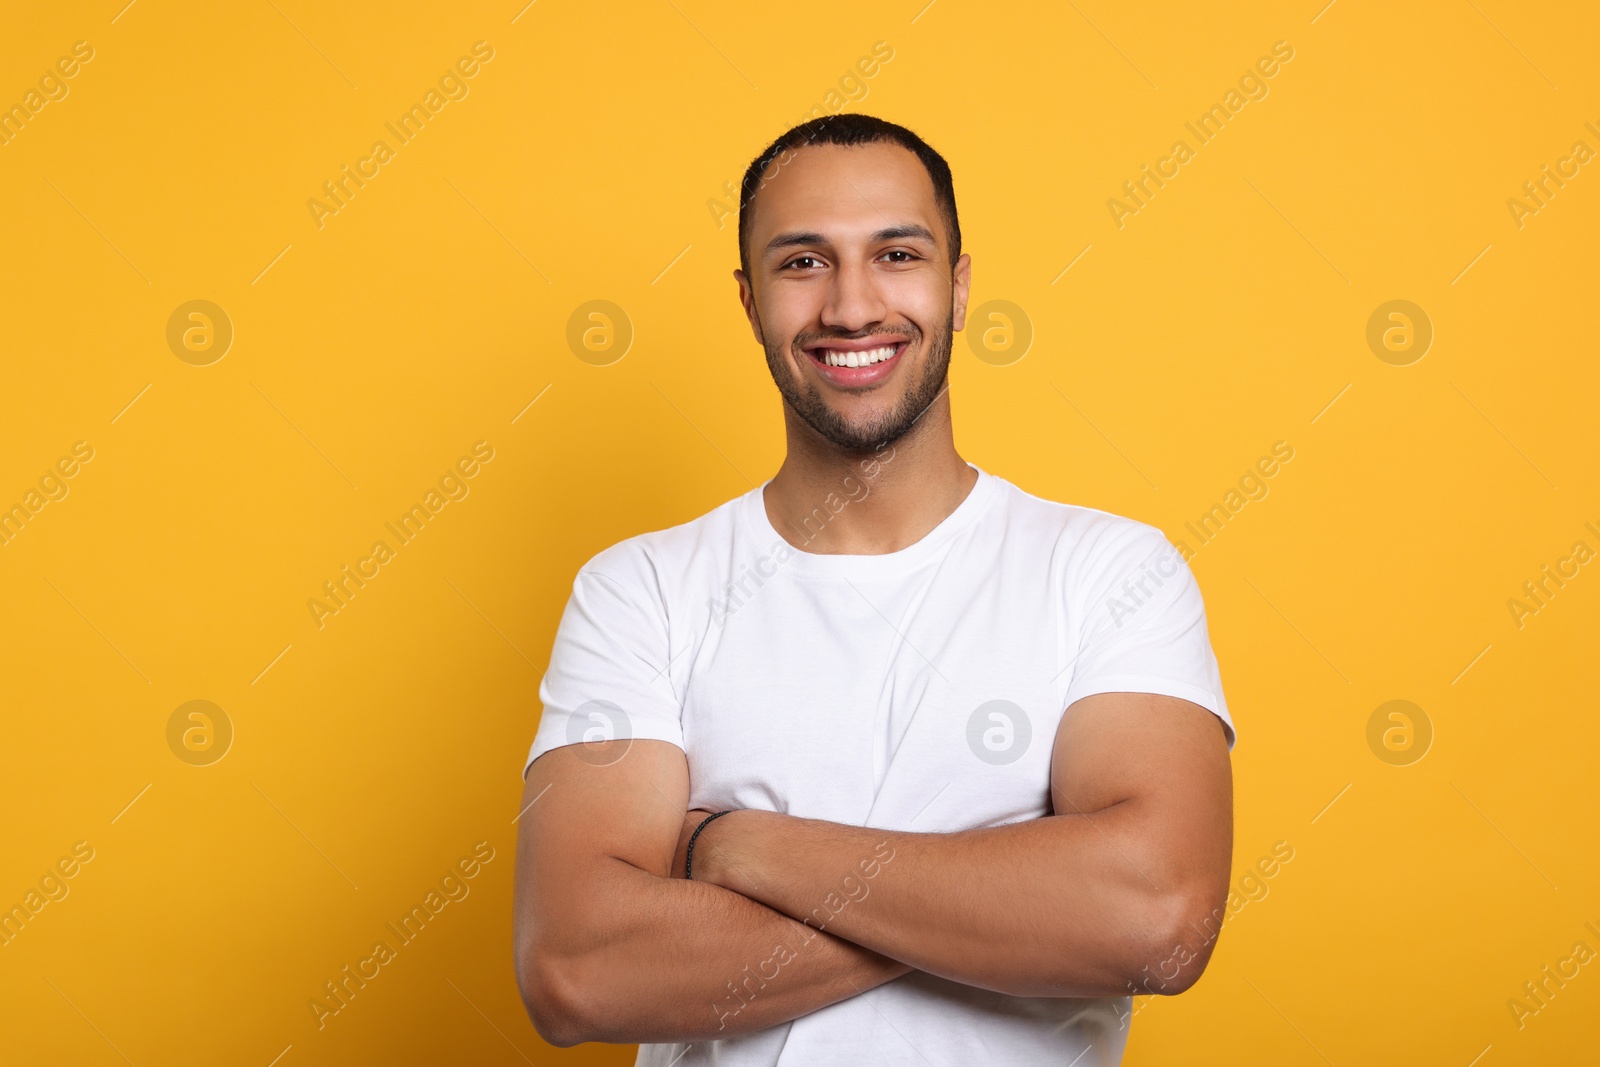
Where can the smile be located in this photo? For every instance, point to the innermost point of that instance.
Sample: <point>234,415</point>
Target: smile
<point>862,366</point>
<point>834,358</point>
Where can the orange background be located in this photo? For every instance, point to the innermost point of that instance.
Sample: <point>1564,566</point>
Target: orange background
<point>372,753</point>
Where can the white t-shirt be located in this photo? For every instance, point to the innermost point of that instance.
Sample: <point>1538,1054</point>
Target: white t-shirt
<point>917,690</point>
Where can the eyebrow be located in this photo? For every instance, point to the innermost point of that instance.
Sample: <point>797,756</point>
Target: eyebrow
<point>811,237</point>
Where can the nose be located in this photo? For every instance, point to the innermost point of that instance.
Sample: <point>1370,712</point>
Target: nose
<point>853,302</point>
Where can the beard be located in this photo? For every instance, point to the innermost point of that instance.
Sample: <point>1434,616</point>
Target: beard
<point>863,436</point>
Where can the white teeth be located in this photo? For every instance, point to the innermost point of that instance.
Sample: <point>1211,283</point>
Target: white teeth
<point>858,359</point>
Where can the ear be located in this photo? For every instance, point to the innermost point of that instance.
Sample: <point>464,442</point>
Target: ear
<point>747,297</point>
<point>961,285</point>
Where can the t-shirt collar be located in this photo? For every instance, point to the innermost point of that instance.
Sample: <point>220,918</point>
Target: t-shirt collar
<point>800,562</point>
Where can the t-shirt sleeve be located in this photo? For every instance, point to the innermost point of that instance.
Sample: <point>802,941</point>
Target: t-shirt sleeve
<point>608,677</point>
<point>1142,625</point>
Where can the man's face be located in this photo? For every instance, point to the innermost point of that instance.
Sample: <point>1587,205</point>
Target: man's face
<point>849,261</point>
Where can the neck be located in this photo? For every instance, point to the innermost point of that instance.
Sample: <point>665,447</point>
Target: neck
<point>834,501</point>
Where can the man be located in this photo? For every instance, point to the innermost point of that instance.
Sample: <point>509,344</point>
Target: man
<point>971,745</point>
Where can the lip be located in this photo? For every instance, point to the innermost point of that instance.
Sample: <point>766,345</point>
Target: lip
<point>849,377</point>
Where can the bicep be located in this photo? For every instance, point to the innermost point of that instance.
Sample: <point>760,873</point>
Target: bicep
<point>618,799</point>
<point>1163,762</point>
<point>585,809</point>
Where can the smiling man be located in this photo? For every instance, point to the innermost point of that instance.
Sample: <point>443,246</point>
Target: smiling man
<point>886,760</point>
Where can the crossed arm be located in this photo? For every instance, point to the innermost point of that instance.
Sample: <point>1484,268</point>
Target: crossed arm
<point>1118,891</point>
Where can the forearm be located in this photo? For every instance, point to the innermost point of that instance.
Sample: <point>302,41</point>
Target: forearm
<point>672,960</point>
<point>1068,905</point>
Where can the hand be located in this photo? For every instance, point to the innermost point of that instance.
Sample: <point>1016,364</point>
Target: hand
<point>691,823</point>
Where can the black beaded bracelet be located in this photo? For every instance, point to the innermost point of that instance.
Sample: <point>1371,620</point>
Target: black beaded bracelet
<point>688,855</point>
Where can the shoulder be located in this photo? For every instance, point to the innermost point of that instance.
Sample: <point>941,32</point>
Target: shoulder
<point>1083,536</point>
<point>657,561</point>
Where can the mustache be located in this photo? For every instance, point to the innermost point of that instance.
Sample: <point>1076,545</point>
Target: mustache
<point>810,340</point>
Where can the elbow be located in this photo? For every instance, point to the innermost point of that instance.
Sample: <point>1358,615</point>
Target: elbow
<point>1183,930</point>
<point>1159,946</point>
<point>552,1001</point>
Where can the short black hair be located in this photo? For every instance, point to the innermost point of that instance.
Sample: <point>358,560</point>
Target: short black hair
<point>849,129</point>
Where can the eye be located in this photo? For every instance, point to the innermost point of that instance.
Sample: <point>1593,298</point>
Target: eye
<point>902,252</point>
<point>800,259</point>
